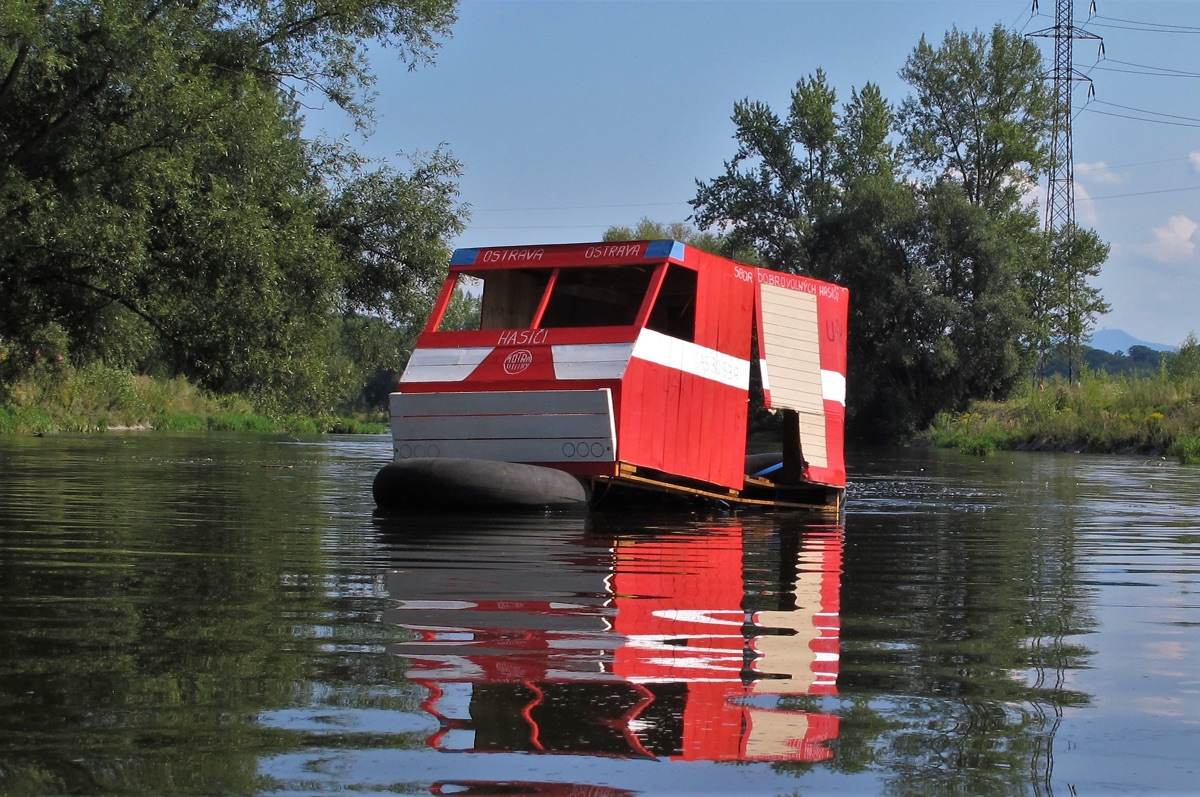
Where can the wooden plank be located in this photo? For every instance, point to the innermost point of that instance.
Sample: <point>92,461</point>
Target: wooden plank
<point>434,356</point>
<point>791,332</point>
<point>783,295</point>
<point>788,339</point>
<point>641,482</point>
<point>596,449</point>
<point>783,322</point>
<point>792,350</point>
<point>516,402</point>
<point>812,438</point>
<point>783,398</point>
<point>798,386</point>
<point>792,340</point>
<point>787,316</point>
<point>484,427</point>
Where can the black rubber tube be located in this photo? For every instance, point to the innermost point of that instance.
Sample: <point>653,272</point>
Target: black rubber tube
<point>474,483</point>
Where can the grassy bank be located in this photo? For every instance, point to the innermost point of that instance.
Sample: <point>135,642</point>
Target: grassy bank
<point>1102,413</point>
<point>95,398</point>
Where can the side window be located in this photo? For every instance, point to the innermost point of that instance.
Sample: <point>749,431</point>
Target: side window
<point>504,299</point>
<point>674,310</point>
<point>462,313</point>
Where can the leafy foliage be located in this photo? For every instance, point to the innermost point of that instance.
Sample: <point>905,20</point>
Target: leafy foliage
<point>649,230</point>
<point>980,113</point>
<point>918,212</point>
<point>1098,412</point>
<point>161,206</point>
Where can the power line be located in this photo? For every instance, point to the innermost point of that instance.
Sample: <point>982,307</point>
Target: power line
<point>1137,72</point>
<point>545,226</point>
<point>1148,163</point>
<point>1148,66</point>
<point>1140,193</point>
<point>1078,199</point>
<point>581,207</point>
<point>1142,118</point>
<point>1152,113</point>
<point>1093,23</point>
<point>1144,22</point>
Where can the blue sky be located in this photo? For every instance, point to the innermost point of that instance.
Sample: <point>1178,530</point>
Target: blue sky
<point>569,117</point>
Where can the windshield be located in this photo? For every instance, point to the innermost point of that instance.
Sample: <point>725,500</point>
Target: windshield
<point>546,298</point>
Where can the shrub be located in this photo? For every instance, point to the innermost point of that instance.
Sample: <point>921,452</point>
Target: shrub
<point>1187,448</point>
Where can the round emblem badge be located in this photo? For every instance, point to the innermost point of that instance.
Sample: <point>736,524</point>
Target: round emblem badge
<point>518,361</point>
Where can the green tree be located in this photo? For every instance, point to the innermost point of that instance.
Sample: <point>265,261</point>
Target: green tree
<point>952,283</point>
<point>161,205</point>
<point>779,180</point>
<point>1076,258</point>
<point>935,308</point>
<point>1185,363</point>
<point>864,140</point>
<point>649,230</point>
<point>979,114</point>
<point>1041,288</point>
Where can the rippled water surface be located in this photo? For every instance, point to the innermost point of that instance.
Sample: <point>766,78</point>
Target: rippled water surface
<point>221,614</point>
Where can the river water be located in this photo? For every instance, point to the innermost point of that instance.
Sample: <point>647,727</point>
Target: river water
<point>225,614</point>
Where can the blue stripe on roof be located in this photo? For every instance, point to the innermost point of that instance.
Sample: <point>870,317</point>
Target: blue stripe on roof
<point>464,257</point>
<point>668,248</point>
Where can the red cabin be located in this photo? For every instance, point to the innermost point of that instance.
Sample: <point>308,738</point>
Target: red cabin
<point>631,363</point>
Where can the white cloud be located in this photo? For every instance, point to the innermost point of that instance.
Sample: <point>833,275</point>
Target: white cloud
<point>1085,210</point>
<point>1174,241</point>
<point>1099,173</point>
<point>1194,157</point>
<point>1031,191</point>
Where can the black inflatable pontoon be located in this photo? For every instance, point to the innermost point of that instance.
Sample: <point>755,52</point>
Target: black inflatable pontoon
<point>446,482</point>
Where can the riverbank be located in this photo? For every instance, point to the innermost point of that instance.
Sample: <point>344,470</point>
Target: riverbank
<point>97,399</point>
<point>1158,415</point>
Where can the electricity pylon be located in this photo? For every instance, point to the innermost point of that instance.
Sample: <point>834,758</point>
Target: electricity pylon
<point>1060,189</point>
<point>1060,182</point>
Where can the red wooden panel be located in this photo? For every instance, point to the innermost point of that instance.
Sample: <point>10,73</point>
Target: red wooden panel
<point>662,389</point>
<point>630,426</point>
<point>673,443</point>
<point>695,446</point>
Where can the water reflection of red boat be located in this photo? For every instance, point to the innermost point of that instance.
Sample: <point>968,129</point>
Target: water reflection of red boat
<point>677,651</point>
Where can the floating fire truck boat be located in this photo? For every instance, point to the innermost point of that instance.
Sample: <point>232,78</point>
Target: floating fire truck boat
<point>593,370</point>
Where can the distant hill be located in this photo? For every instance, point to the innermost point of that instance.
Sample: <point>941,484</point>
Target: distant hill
<point>1111,340</point>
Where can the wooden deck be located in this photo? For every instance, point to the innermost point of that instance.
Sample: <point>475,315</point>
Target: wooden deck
<point>759,492</point>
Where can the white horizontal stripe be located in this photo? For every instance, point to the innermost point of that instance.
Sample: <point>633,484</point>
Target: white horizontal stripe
<point>674,679</point>
<point>833,387</point>
<point>502,402</point>
<point>691,358</point>
<point>762,369</point>
<point>504,427</point>
<point>444,365</point>
<point>591,360</point>
<point>703,616</point>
